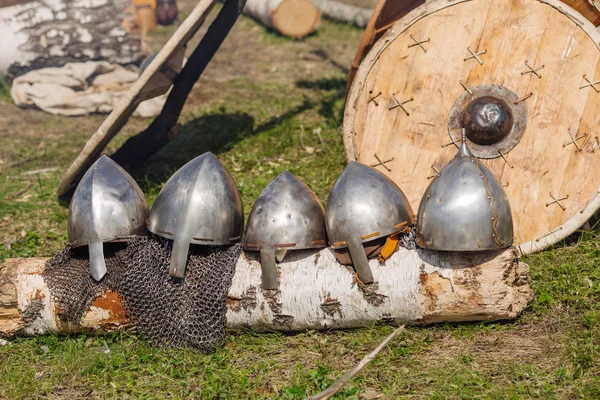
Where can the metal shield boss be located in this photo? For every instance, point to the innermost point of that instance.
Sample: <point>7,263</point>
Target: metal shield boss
<point>107,206</point>
<point>286,216</point>
<point>199,204</point>
<point>364,205</point>
<point>464,208</point>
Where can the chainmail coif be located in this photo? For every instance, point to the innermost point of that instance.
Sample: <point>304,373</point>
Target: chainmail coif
<point>188,312</point>
<point>71,285</point>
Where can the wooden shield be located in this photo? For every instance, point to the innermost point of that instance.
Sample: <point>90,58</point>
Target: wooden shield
<point>387,12</point>
<point>542,58</point>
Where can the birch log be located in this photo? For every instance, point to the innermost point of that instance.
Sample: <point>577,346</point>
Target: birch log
<point>38,34</point>
<point>343,12</point>
<point>293,18</point>
<point>316,292</point>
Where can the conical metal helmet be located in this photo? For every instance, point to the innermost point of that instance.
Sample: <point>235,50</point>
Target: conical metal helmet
<point>199,204</point>
<point>464,208</point>
<point>286,216</point>
<point>107,206</point>
<point>364,205</point>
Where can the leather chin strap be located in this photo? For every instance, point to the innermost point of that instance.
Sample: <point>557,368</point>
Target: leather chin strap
<point>390,246</point>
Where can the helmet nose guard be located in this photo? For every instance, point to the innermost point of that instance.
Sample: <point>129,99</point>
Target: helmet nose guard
<point>364,205</point>
<point>464,208</point>
<point>286,216</point>
<point>199,204</point>
<point>107,206</point>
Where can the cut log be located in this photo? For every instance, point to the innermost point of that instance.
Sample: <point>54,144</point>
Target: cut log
<point>39,34</point>
<point>344,12</point>
<point>316,292</point>
<point>293,18</point>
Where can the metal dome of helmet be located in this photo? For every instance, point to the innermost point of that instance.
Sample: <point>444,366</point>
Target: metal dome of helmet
<point>286,216</point>
<point>464,208</point>
<point>107,206</point>
<point>364,205</point>
<point>199,204</point>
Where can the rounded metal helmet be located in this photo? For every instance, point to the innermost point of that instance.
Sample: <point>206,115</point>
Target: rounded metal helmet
<point>286,216</point>
<point>107,206</point>
<point>364,205</point>
<point>464,208</point>
<point>199,204</point>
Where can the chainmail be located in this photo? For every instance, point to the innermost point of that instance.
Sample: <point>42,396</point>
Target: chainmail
<point>71,285</point>
<point>188,312</point>
<point>409,240</point>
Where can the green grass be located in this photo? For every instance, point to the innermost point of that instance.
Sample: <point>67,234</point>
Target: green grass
<point>4,90</point>
<point>267,104</point>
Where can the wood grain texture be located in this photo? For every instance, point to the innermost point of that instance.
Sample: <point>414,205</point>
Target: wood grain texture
<point>387,12</point>
<point>316,292</point>
<point>511,32</point>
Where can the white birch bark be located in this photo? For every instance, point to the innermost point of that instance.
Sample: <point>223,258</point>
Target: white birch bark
<point>262,10</point>
<point>316,292</point>
<point>339,11</point>
<point>52,32</point>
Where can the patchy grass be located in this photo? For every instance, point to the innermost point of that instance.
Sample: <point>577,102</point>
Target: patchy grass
<point>551,352</point>
<point>4,90</point>
<point>266,104</point>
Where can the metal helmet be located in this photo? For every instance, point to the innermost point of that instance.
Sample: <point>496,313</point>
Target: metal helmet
<point>464,208</point>
<point>199,204</point>
<point>286,216</point>
<point>107,206</point>
<point>364,205</point>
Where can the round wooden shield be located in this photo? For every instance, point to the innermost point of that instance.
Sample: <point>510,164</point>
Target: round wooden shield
<point>539,57</point>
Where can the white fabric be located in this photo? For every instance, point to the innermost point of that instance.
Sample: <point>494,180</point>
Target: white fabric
<point>80,89</point>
